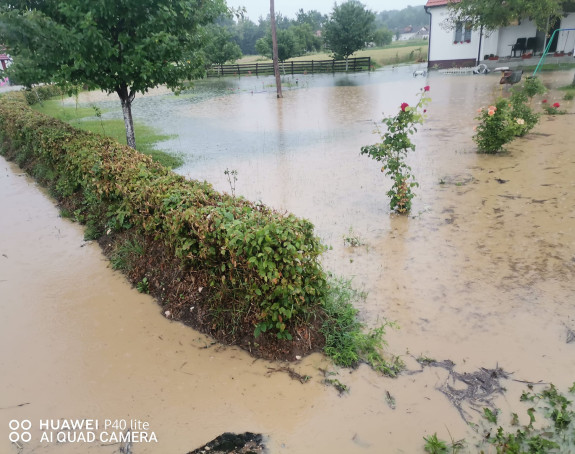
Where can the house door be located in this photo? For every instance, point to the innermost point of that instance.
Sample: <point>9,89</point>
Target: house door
<point>552,27</point>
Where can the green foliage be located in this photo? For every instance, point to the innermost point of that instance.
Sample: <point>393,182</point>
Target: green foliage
<point>122,257</point>
<point>490,415</point>
<point>392,152</point>
<point>383,37</point>
<point>346,343</point>
<point>348,29</point>
<point>434,445</point>
<point>522,112</point>
<point>143,286</point>
<point>533,86</point>
<point>288,46</point>
<point>554,432</point>
<point>492,14</point>
<point>399,19</point>
<point>496,127</point>
<point>256,262</point>
<point>508,119</point>
<point>352,239</point>
<point>220,47</point>
<point>556,426</point>
<point>552,109</point>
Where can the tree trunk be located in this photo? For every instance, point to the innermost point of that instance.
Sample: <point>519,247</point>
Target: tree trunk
<point>275,49</point>
<point>346,63</point>
<point>126,99</point>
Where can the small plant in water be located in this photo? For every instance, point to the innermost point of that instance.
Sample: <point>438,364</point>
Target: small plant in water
<point>554,432</point>
<point>352,239</point>
<point>552,109</point>
<point>434,445</point>
<point>143,286</point>
<point>393,149</point>
<point>232,176</point>
<point>98,113</point>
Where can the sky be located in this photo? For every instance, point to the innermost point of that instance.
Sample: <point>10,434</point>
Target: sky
<point>257,8</point>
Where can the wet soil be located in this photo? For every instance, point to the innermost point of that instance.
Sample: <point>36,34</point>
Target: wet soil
<point>480,274</point>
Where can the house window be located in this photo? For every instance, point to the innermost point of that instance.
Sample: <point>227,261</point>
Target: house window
<point>462,33</point>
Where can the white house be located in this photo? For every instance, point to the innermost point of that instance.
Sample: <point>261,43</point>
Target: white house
<point>464,46</point>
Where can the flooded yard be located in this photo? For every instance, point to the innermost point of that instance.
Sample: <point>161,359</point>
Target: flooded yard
<point>481,273</point>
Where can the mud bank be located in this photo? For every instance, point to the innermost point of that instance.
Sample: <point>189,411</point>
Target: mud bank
<point>482,274</point>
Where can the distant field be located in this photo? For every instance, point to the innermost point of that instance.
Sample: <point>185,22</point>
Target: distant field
<point>400,52</point>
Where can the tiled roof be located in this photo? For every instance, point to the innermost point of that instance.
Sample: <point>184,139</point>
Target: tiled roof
<point>440,2</point>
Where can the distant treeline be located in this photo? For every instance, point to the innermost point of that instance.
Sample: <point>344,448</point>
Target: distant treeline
<point>306,28</point>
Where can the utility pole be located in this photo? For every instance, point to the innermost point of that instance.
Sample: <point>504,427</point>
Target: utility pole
<point>275,49</point>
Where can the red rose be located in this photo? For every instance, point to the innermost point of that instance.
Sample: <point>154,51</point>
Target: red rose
<point>403,106</point>
<point>426,88</point>
<point>544,101</point>
<point>556,105</point>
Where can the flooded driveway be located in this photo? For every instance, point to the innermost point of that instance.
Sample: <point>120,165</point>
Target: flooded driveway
<point>481,273</point>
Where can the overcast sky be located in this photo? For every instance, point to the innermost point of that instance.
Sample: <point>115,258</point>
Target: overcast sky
<point>257,8</point>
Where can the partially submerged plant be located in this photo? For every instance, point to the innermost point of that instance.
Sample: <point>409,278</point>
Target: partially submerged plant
<point>552,109</point>
<point>392,151</point>
<point>554,431</point>
<point>501,123</point>
<point>232,176</point>
<point>352,239</point>
<point>346,342</point>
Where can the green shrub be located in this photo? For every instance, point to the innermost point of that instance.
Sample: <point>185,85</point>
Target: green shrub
<point>509,118</point>
<point>496,127</point>
<point>521,110</point>
<point>254,258</point>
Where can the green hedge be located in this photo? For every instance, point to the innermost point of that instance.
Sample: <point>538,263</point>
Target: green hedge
<point>254,257</point>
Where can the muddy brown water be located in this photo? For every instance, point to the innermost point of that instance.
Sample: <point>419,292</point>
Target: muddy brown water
<point>481,274</point>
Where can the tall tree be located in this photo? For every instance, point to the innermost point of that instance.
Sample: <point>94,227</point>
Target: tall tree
<point>221,47</point>
<point>313,18</point>
<point>287,45</point>
<point>246,33</point>
<point>348,29</point>
<point>124,47</point>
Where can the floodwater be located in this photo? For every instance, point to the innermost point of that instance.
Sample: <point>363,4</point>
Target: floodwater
<point>481,273</point>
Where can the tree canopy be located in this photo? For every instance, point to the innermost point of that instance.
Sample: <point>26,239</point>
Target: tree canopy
<point>349,28</point>
<point>126,46</point>
<point>221,47</point>
<point>287,45</point>
<point>492,14</point>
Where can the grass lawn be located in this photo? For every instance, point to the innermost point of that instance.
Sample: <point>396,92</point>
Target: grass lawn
<point>85,118</point>
<point>399,52</point>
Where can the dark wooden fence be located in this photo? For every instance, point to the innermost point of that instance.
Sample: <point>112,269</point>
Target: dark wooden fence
<point>292,67</point>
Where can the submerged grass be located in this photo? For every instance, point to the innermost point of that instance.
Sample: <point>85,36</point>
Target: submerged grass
<point>550,424</point>
<point>347,344</point>
<point>87,118</point>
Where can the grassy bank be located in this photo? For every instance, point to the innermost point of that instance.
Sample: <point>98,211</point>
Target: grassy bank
<point>395,53</point>
<point>86,118</point>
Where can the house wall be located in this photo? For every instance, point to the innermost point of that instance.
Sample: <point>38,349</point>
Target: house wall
<point>489,43</point>
<point>508,36</point>
<point>442,50</point>
<point>566,40</point>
